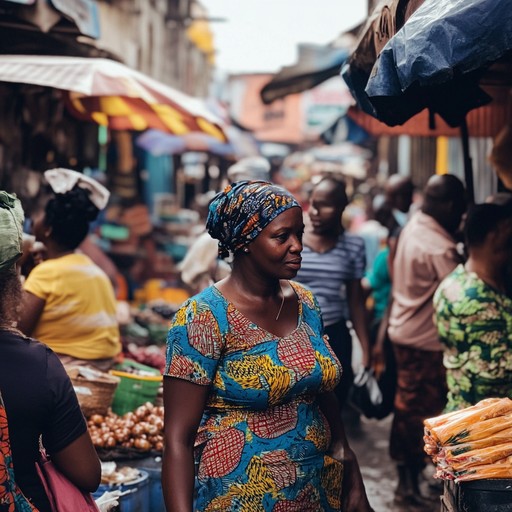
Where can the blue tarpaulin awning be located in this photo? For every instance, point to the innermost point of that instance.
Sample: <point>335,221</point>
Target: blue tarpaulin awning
<point>438,59</point>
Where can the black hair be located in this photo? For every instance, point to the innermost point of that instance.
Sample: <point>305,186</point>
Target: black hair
<point>482,219</point>
<point>442,189</point>
<point>339,188</point>
<point>69,215</point>
<point>10,298</point>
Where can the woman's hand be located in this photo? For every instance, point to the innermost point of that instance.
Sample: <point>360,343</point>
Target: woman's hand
<point>378,360</point>
<point>353,494</point>
<point>184,404</point>
<point>356,305</point>
<point>378,354</point>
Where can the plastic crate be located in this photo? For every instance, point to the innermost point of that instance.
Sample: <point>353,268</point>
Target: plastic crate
<point>489,495</point>
<point>133,389</point>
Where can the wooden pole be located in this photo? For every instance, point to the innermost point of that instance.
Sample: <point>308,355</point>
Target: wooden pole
<point>468,164</point>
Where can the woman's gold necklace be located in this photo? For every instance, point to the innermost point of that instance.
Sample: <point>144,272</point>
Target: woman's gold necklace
<point>282,302</point>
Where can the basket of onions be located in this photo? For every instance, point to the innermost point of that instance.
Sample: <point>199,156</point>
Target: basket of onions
<point>133,435</point>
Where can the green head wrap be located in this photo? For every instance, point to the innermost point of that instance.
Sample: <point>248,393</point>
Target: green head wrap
<point>11,230</point>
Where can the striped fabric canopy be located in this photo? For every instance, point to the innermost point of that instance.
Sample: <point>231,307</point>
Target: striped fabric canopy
<point>112,94</point>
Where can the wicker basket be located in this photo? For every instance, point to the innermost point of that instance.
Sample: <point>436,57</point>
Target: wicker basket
<point>94,389</point>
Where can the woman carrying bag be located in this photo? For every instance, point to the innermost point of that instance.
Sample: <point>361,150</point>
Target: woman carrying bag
<point>37,393</point>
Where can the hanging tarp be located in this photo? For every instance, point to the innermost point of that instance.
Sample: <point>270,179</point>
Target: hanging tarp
<point>486,121</point>
<point>81,16</point>
<point>84,13</point>
<point>315,65</point>
<point>382,24</point>
<point>437,59</point>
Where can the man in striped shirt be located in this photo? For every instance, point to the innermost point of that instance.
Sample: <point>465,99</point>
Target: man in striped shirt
<point>333,264</point>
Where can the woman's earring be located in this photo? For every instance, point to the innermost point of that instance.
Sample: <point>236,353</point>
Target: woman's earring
<point>246,249</point>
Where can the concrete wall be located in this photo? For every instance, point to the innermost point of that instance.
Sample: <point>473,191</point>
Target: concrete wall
<point>150,35</point>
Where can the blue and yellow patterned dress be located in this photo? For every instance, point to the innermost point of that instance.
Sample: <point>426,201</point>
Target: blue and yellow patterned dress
<point>262,441</point>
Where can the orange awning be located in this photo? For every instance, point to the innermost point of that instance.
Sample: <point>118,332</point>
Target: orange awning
<point>112,94</point>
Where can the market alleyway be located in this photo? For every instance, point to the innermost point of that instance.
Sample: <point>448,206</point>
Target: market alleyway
<point>370,440</point>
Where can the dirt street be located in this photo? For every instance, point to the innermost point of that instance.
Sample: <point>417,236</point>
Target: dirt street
<point>370,441</point>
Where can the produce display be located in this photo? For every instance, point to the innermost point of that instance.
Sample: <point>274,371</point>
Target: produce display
<point>112,475</point>
<point>474,443</point>
<point>141,429</point>
<point>152,355</point>
<point>148,324</point>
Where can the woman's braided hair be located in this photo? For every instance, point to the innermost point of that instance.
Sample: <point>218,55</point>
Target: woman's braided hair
<point>69,216</point>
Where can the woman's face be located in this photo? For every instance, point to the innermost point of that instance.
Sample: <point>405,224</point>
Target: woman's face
<point>276,250</point>
<point>325,209</point>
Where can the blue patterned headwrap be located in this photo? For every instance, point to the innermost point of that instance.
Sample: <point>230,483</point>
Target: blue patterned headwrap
<point>239,213</point>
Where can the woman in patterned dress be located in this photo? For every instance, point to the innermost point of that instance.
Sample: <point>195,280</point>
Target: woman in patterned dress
<point>473,311</point>
<point>251,423</point>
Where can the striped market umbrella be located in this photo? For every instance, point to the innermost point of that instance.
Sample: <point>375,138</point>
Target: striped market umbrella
<point>112,94</point>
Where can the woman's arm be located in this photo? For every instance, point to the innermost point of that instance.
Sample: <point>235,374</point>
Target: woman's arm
<point>353,493</point>
<point>378,355</point>
<point>31,311</point>
<point>80,463</point>
<point>184,404</point>
<point>355,298</point>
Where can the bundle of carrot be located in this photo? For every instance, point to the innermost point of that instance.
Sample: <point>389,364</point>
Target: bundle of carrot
<point>474,443</point>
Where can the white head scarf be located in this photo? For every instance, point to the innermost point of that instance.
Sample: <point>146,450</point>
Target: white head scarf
<point>63,180</point>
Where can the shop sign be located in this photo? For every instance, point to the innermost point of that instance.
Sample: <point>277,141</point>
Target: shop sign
<point>83,12</point>
<point>324,104</point>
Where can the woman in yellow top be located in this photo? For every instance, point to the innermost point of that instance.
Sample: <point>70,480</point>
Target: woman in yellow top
<point>69,302</point>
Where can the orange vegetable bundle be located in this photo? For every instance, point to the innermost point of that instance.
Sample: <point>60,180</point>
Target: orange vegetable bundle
<point>455,426</point>
<point>500,469</point>
<point>473,443</point>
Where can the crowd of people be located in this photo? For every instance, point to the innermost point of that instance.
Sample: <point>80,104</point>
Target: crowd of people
<point>260,358</point>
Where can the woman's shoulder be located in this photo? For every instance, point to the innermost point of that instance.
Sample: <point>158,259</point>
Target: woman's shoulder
<point>459,289</point>
<point>16,340</point>
<point>208,300</point>
<point>45,268</point>
<point>304,294</point>
<point>55,268</point>
<point>209,296</point>
<point>34,355</point>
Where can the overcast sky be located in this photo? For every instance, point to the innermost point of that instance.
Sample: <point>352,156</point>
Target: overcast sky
<point>261,35</point>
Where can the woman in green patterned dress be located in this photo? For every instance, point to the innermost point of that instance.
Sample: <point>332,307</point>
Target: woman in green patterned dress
<point>474,313</point>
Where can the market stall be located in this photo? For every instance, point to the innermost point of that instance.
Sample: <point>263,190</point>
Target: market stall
<point>472,452</point>
<point>124,407</point>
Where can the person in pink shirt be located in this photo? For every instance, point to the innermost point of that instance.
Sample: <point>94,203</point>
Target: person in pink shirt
<point>426,253</point>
